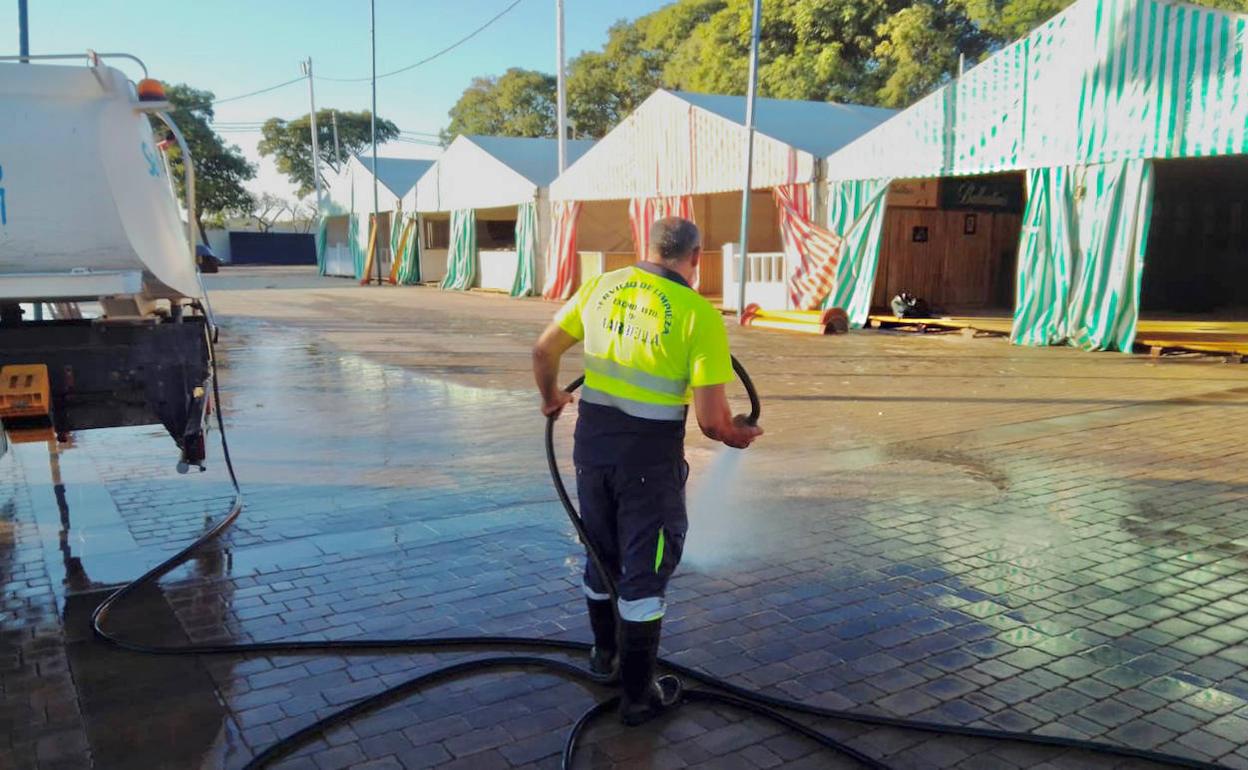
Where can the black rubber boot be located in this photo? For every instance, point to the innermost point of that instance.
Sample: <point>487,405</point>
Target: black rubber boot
<point>644,697</point>
<point>604,661</point>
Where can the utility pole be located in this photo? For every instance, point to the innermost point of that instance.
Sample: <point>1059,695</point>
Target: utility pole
<point>23,48</point>
<point>316,147</point>
<point>749,158</point>
<point>337,151</point>
<point>561,89</point>
<point>23,31</point>
<point>373,128</point>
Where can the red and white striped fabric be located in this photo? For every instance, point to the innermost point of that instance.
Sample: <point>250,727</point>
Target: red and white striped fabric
<point>644,212</point>
<point>561,252</point>
<point>813,249</point>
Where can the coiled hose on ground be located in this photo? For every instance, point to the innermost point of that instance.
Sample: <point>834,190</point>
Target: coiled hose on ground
<point>719,691</point>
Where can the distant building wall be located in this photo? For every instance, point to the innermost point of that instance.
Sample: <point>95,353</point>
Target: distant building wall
<point>272,248</point>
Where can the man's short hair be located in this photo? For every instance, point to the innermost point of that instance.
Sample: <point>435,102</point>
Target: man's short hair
<point>674,238</point>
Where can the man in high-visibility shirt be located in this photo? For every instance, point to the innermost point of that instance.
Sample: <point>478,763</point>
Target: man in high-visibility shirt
<point>652,344</point>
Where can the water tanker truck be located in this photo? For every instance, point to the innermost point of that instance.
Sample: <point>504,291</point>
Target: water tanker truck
<point>104,320</point>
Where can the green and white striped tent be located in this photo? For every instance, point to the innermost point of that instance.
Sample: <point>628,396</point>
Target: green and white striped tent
<point>342,237</point>
<point>1083,105</point>
<point>490,193</point>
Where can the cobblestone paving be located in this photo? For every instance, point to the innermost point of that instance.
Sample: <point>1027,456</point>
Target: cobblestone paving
<point>934,527</point>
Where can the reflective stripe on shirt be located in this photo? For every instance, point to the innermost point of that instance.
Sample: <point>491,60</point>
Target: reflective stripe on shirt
<point>633,407</point>
<point>632,376</point>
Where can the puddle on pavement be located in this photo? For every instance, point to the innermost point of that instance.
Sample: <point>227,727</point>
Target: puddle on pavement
<point>149,711</point>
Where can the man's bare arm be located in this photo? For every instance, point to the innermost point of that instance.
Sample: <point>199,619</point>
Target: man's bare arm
<point>550,347</point>
<point>715,418</point>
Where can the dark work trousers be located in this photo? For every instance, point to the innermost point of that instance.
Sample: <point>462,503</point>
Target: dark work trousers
<point>635,519</point>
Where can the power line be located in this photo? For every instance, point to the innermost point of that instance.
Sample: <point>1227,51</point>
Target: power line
<point>401,70</point>
<point>431,57</point>
<point>257,93</point>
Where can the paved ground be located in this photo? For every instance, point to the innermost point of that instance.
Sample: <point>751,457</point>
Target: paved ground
<point>939,527</point>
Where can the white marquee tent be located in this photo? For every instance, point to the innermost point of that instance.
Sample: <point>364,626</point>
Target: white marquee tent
<point>484,211</point>
<point>342,244</point>
<point>684,154</point>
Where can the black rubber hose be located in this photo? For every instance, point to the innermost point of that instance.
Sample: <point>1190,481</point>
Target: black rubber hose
<point>755,407</point>
<point>777,703</point>
<point>574,735</point>
<point>762,704</point>
<point>402,690</point>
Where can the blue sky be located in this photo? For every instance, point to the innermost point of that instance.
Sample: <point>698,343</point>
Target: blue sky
<point>234,46</point>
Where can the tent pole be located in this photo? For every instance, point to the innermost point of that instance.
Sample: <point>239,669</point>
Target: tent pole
<point>373,129</point>
<point>337,152</point>
<point>749,159</point>
<point>561,90</point>
<point>23,31</point>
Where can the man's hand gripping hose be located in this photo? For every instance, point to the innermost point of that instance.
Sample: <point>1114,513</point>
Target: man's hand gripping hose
<point>721,691</point>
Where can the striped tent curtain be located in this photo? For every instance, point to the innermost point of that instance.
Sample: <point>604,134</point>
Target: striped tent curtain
<point>644,212</point>
<point>525,284</point>
<point>856,214</point>
<point>561,251</point>
<point>396,230</point>
<point>1114,205</point>
<point>407,253</point>
<point>461,257</point>
<point>322,236</point>
<point>1046,256</point>
<point>357,252</point>
<point>1081,255</point>
<point>810,250</point>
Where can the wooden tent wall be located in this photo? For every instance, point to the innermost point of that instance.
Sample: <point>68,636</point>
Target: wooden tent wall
<point>952,269</point>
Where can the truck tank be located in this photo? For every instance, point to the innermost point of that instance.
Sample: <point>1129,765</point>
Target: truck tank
<point>88,213</point>
<point>87,207</point>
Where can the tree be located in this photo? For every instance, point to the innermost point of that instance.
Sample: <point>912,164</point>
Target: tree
<point>303,216</point>
<point>519,103</point>
<point>220,169</point>
<point>290,142</point>
<point>604,87</point>
<point>266,209</point>
<point>821,50</point>
<point>920,46</point>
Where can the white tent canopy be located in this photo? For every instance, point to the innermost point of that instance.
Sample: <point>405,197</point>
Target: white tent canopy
<point>354,182</point>
<point>679,143</point>
<point>483,172</point>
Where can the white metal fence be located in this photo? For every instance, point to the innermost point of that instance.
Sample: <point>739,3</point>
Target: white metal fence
<point>766,281</point>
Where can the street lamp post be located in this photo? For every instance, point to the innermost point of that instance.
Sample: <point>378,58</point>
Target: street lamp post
<point>373,129</point>
<point>749,159</point>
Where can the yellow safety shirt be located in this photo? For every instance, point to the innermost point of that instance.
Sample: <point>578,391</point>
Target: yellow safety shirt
<point>649,340</point>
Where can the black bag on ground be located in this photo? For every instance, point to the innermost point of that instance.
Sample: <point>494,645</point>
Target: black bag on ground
<point>906,305</point>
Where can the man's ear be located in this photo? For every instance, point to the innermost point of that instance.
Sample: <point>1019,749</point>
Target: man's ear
<point>696,257</point>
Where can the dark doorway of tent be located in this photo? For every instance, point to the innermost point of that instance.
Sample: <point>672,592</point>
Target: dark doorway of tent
<point>953,242</point>
<point>1196,260</point>
<point>1194,288</point>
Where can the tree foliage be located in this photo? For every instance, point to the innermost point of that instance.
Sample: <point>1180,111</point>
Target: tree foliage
<point>290,142</point>
<point>220,168</point>
<point>519,103</point>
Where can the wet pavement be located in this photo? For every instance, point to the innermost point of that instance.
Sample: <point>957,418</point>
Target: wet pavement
<point>934,526</point>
